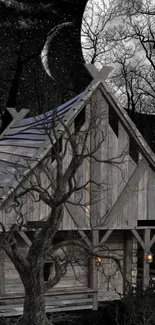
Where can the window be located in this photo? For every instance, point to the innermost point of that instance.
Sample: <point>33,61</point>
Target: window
<point>80,120</point>
<point>146,223</point>
<point>133,150</point>
<point>113,120</point>
<point>47,270</point>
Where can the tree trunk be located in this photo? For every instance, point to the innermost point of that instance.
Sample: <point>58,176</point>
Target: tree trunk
<point>12,100</point>
<point>34,303</point>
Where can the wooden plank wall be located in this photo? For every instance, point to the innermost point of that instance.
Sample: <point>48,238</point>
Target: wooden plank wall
<point>110,279</point>
<point>112,185</point>
<point>113,176</point>
<point>122,169</point>
<point>144,190</point>
<point>76,272</point>
<point>68,223</point>
<point>76,277</point>
<point>2,278</point>
<point>99,170</point>
<point>149,192</point>
<point>13,283</point>
<point>78,208</point>
<point>109,276</point>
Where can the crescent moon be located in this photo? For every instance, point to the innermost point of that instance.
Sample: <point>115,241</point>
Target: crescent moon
<point>45,51</point>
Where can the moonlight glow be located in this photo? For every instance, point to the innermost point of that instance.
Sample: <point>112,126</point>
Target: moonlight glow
<point>100,17</point>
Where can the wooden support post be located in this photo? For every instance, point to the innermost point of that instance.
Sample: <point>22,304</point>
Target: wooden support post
<point>93,271</point>
<point>95,238</point>
<point>2,278</point>
<point>146,266</point>
<point>128,260</point>
<point>146,245</point>
<point>139,240</point>
<point>152,241</point>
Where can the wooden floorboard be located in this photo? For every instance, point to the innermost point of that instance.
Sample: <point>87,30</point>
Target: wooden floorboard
<point>49,310</point>
<point>17,309</point>
<point>57,301</point>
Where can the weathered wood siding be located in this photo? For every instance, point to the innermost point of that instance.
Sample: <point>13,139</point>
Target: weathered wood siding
<point>13,283</point>
<point>76,276</point>
<point>117,158</point>
<point>2,277</point>
<point>98,146</point>
<point>111,277</point>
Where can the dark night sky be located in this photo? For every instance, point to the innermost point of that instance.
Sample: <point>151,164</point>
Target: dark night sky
<point>22,36</point>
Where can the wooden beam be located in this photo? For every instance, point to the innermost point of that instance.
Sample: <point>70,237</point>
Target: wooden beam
<point>79,226</point>
<point>127,191</point>
<point>19,116</point>
<point>80,222</point>
<point>12,112</point>
<point>98,74</point>
<point>127,261</point>
<point>86,239</point>
<point>95,239</point>
<point>152,241</point>
<point>146,266</point>
<point>146,245</point>
<point>106,236</point>
<point>2,277</point>
<point>93,271</point>
<point>140,241</point>
<point>25,238</point>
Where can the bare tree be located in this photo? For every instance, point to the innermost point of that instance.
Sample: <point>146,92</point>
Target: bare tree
<point>136,308</point>
<point>139,306</point>
<point>125,41</point>
<point>51,182</point>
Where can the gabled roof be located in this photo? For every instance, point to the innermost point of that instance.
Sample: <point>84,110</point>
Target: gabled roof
<point>22,140</point>
<point>26,141</point>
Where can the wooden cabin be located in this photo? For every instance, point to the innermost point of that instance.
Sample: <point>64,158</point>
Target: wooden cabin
<point>123,215</point>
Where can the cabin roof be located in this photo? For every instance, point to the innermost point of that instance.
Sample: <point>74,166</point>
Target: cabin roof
<point>23,139</point>
<point>26,141</point>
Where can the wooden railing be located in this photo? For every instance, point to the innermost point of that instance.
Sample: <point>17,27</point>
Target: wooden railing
<point>56,300</point>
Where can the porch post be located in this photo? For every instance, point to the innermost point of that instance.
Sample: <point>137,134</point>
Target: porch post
<point>146,266</point>
<point>128,261</point>
<point>93,271</point>
<point>2,278</point>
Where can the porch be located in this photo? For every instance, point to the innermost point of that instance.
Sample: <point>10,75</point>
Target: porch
<point>57,300</point>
